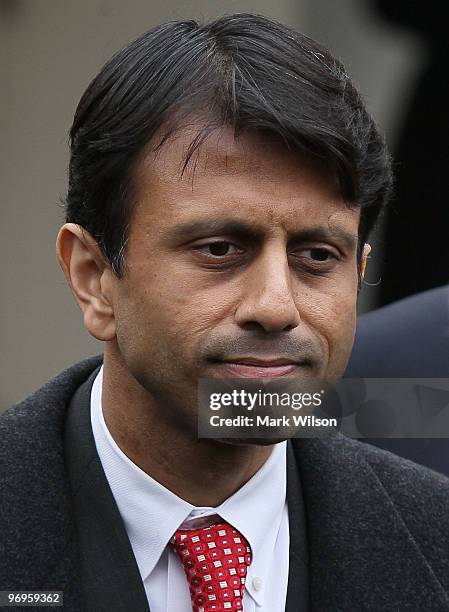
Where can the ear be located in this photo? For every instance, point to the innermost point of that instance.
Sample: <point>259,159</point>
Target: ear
<point>90,278</point>
<point>366,252</point>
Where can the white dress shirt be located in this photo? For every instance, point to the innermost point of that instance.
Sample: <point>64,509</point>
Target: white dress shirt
<point>151,515</point>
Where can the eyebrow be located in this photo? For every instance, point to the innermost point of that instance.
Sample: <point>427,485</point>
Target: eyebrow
<point>250,231</point>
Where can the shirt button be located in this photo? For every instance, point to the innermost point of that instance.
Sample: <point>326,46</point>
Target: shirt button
<point>257,583</point>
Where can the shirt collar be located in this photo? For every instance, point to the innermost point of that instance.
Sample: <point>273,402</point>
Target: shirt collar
<point>151,513</point>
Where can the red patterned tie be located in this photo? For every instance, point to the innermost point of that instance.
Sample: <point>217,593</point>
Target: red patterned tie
<point>215,561</point>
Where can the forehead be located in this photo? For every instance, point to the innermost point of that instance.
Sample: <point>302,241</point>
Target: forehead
<point>249,176</point>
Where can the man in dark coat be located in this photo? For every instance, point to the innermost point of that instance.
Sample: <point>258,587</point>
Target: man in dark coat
<point>407,339</point>
<point>223,182</point>
<point>372,534</point>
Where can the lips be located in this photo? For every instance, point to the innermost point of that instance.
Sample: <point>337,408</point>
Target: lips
<point>251,367</point>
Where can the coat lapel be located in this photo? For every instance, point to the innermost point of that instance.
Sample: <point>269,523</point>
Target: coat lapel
<point>110,575</point>
<point>298,587</point>
<point>362,555</point>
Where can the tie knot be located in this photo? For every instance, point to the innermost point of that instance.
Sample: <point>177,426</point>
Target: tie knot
<point>215,560</point>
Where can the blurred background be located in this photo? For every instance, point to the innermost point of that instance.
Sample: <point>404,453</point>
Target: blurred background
<point>49,51</point>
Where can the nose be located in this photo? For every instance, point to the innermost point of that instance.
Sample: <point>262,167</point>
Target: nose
<point>268,300</point>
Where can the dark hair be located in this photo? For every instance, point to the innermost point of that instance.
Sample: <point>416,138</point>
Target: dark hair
<point>242,70</point>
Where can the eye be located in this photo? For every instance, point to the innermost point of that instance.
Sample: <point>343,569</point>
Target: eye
<point>320,254</point>
<point>218,248</point>
<point>316,259</point>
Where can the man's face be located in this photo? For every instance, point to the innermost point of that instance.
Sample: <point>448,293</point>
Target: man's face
<point>245,267</point>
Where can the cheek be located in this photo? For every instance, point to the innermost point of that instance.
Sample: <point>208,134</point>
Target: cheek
<point>195,310</point>
<point>174,310</point>
<point>332,315</point>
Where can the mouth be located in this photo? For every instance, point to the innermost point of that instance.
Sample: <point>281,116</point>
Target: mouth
<point>252,367</point>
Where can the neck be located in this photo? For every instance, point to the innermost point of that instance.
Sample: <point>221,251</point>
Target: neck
<point>172,456</point>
